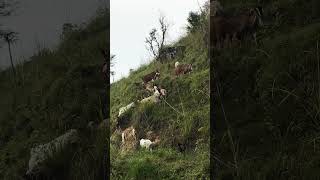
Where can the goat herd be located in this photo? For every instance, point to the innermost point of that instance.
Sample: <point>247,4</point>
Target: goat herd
<point>151,140</point>
<point>129,134</point>
<point>225,29</point>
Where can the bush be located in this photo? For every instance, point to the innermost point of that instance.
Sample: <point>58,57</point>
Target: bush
<point>194,21</point>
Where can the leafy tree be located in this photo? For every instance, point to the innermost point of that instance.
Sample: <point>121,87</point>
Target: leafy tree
<point>194,21</point>
<point>67,29</point>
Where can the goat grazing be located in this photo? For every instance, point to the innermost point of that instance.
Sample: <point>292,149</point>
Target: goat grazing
<point>229,28</point>
<point>250,31</point>
<point>182,68</point>
<point>160,90</point>
<point>40,154</point>
<point>122,110</point>
<point>148,144</point>
<point>151,135</point>
<point>151,76</point>
<point>128,139</point>
<point>163,92</point>
<point>145,143</point>
<point>155,143</point>
<point>155,98</point>
<point>128,133</point>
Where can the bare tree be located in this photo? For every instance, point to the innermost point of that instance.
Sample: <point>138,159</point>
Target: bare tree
<point>155,41</point>
<point>6,9</point>
<point>10,37</point>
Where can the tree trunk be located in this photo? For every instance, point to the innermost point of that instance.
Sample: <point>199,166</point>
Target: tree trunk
<point>11,60</point>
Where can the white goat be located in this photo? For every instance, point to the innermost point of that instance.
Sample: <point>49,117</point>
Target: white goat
<point>163,92</point>
<point>155,98</point>
<point>176,64</point>
<point>145,143</point>
<point>42,153</point>
<point>148,144</point>
<point>122,110</point>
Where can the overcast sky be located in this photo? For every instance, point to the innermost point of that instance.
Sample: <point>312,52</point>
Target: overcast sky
<point>40,22</point>
<point>131,22</point>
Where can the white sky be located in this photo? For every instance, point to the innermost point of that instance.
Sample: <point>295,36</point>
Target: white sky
<point>131,22</point>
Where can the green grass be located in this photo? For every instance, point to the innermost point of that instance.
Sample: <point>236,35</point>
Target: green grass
<point>163,163</point>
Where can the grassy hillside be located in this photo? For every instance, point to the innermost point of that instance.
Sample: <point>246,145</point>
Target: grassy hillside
<point>57,90</point>
<point>185,115</point>
<point>268,106</point>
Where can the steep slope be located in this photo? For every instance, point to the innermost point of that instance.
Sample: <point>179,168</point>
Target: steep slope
<point>267,109</point>
<point>57,90</point>
<point>183,114</point>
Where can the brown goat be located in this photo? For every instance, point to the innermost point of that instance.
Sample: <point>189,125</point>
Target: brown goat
<point>155,143</point>
<point>182,68</point>
<point>129,133</point>
<point>152,136</point>
<point>151,76</point>
<point>129,139</point>
<point>230,28</point>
